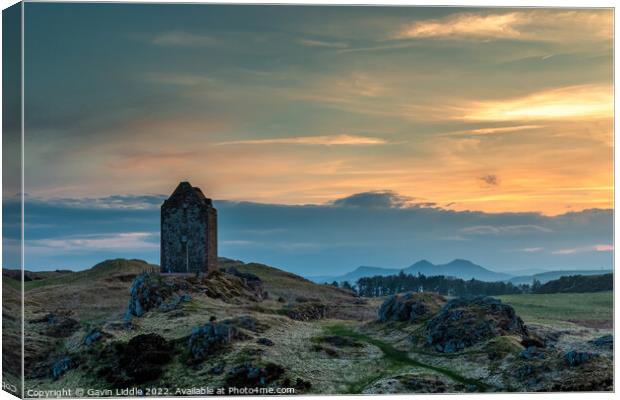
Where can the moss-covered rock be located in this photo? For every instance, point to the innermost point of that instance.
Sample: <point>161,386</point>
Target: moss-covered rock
<point>410,307</point>
<point>464,322</point>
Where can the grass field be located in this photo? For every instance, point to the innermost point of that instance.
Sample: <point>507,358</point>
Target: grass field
<point>590,309</point>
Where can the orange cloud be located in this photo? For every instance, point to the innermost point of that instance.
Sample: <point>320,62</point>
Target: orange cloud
<point>333,140</point>
<point>467,25</point>
<point>582,249</point>
<point>494,130</point>
<point>582,101</point>
<point>544,25</point>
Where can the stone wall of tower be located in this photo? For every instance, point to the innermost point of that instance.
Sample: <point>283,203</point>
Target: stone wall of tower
<point>212,239</point>
<point>188,232</point>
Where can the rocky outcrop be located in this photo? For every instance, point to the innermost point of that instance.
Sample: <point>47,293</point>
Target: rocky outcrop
<point>465,322</point>
<point>92,336</point>
<point>232,287</point>
<point>265,341</point>
<point>209,339</point>
<point>252,281</point>
<point>174,302</point>
<point>410,307</point>
<point>149,291</point>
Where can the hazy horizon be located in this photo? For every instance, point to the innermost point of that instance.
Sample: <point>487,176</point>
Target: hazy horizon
<point>379,228</point>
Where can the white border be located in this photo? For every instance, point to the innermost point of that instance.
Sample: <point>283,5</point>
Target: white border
<point>446,3</point>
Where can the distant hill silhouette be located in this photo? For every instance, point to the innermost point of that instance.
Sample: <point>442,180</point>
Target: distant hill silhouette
<point>462,269</point>
<point>458,268</point>
<point>545,277</point>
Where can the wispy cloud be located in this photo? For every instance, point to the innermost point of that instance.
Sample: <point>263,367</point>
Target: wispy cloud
<point>499,130</point>
<point>531,249</point>
<point>321,43</point>
<point>466,25</point>
<point>120,241</point>
<point>183,39</point>
<point>520,25</point>
<point>583,249</point>
<point>330,140</point>
<point>113,202</point>
<point>582,101</point>
<point>504,230</point>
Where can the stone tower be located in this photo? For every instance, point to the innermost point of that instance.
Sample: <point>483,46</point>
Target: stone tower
<point>188,232</point>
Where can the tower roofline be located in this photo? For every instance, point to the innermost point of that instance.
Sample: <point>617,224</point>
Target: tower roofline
<point>185,189</point>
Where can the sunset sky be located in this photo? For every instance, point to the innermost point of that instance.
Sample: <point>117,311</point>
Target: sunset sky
<point>471,109</point>
<point>492,110</point>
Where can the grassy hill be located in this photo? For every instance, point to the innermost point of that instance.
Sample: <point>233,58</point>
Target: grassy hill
<point>343,350</point>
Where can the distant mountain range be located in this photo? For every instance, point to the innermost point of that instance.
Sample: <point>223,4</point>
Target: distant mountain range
<point>458,268</point>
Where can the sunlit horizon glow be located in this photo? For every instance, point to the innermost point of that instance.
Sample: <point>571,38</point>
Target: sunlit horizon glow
<point>494,110</point>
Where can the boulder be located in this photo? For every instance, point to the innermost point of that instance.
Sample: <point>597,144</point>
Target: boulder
<point>209,339</point>
<point>575,358</point>
<point>94,335</point>
<point>464,322</point>
<point>265,341</point>
<point>532,353</point>
<point>410,307</point>
<point>146,293</point>
<point>62,365</point>
<point>250,375</point>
